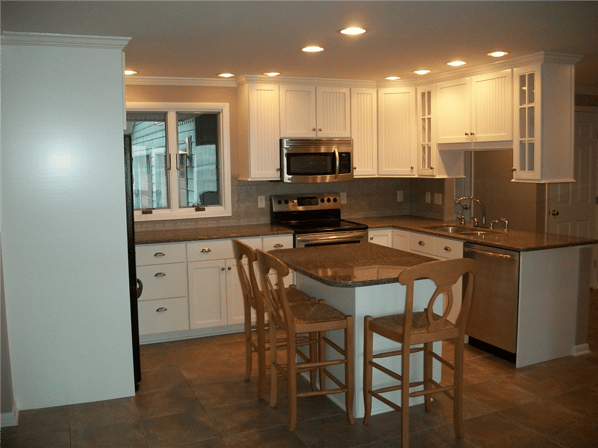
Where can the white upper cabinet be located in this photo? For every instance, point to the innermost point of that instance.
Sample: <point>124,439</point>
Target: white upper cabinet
<point>475,110</point>
<point>364,131</point>
<point>310,111</point>
<point>544,107</point>
<point>397,135</point>
<point>259,132</point>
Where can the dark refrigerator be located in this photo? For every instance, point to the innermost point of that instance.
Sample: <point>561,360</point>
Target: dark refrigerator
<point>135,285</point>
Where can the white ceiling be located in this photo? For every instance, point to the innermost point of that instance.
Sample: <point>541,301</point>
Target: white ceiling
<point>196,39</point>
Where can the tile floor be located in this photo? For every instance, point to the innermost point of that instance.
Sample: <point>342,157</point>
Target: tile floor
<point>193,395</point>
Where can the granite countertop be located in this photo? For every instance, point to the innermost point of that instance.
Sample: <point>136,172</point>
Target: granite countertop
<point>350,265</point>
<point>208,233</point>
<point>513,239</point>
<point>518,240</point>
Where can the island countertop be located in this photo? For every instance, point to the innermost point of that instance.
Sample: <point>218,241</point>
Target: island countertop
<point>350,265</point>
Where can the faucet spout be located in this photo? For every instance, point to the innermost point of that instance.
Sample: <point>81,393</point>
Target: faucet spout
<point>476,200</point>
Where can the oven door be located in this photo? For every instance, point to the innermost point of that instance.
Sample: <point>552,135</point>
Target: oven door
<point>328,238</point>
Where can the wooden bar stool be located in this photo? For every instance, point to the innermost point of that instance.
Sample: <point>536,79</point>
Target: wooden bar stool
<point>422,329</point>
<point>315,319</point>
<point>255,335</point>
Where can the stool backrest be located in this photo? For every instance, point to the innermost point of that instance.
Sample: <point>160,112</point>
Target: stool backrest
<point>445,274</point>
<point>249,286</point>
<point>274,294</point>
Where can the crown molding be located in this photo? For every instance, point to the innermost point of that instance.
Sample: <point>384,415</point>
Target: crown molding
<point>262,79</point>
<point>64,40</point>
<point>186,82</point>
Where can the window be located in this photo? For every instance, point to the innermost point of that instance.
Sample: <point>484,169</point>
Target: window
<point>181,160</point>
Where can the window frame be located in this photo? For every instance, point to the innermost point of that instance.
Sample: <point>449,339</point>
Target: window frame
<point>175,211</point>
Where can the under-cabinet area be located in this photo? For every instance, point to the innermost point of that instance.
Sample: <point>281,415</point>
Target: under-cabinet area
<point>192,288</point>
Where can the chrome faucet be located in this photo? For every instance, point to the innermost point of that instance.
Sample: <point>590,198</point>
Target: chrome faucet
<point>465,207</point>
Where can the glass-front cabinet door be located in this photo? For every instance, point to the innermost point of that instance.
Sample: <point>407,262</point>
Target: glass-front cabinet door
<point>427,143</point>
<point>526,147</point>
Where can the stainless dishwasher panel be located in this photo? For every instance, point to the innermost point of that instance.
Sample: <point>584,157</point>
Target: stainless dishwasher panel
<point>493,315</point>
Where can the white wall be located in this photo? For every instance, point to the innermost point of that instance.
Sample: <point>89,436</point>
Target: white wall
<point>64,222</point>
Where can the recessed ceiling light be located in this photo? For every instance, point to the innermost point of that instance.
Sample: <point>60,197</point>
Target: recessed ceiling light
<point>353,31</point>
<point>392,78</point>
<point>498,54</point>
<point>272,74</point>
<point>130,72</point>
<point>312,49</point>
<point>226,75</point>
<point>456,63</point>
<point>421,72</point>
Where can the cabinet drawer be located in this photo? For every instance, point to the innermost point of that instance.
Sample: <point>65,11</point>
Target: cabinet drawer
<point>150,254</point>
<point>163,281</point>
<point>421,243</point>
<point>161,316</point>
<point>277,242</point>
<point>217,249</point>
<point>447,248</point>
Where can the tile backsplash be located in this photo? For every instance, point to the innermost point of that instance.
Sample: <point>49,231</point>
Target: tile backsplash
<point>365,198</point>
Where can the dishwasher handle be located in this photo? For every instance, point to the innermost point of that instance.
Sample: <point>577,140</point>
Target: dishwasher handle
<point>489,254</point>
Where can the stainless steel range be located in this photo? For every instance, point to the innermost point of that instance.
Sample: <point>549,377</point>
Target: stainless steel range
<point>315,219</point>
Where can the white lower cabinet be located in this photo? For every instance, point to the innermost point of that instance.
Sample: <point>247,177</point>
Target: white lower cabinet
<point>383,237</point>
<point>162,316</point>
<point>162,307</point>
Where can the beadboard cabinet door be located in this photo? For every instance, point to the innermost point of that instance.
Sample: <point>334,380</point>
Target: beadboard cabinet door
<point>314,111</point>
<point>397,135</point>
<point>364,131</point>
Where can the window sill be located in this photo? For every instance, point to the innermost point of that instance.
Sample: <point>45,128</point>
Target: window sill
<point>164,215</point>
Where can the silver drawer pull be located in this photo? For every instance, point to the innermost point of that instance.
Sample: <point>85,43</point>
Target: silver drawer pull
<point>159,274</point>
<point>447,248</point>
<point>162,309</point>
<point>206,250</point>
<point>159,254</point>
<point>421,243</point>
<point>279,245</point>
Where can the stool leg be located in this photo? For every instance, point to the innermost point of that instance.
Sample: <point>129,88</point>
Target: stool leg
<point>273,364</point>
<point>405,362</point>
<point>458,400</point>
<point>292,382</point>
<point>248,350</point>
<point>322,357</point>
<point>427,374</point>
<point>313,358</point>
<point>349,369</point>
<point>368,348</point>
<point>261,356</point>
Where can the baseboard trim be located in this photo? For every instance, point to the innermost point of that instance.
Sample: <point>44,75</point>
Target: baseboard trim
<point>581,349</point>
<point>10,418</point>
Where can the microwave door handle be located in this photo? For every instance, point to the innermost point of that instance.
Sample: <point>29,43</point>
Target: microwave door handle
<point>337,169</point>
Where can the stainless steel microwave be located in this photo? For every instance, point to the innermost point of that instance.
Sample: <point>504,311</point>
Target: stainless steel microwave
<point>307,160</point>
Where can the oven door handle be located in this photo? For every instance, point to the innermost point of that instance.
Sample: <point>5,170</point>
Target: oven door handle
<point>338,163</point>
<point>331,238</point>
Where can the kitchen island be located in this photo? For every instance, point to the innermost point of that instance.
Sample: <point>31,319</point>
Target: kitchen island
<point>360,280</point>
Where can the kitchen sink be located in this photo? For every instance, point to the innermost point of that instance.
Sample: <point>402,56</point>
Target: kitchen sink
<point>461,230</point>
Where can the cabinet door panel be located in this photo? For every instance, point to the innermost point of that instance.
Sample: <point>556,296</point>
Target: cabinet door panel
<point>364,127</point>
<point>264,131</point>
<point>453,104</point>
<point>207,294</point>
<point>397,131</point>
<point>332,113</point>
<point>234,294</point>
<point>297,111</point>
<point>492,107</point>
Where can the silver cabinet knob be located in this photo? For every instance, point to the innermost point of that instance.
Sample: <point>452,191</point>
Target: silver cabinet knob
<point>162,309</point>
<point>206,250</point>
<point>159,274</point>
<point>159,254</point>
